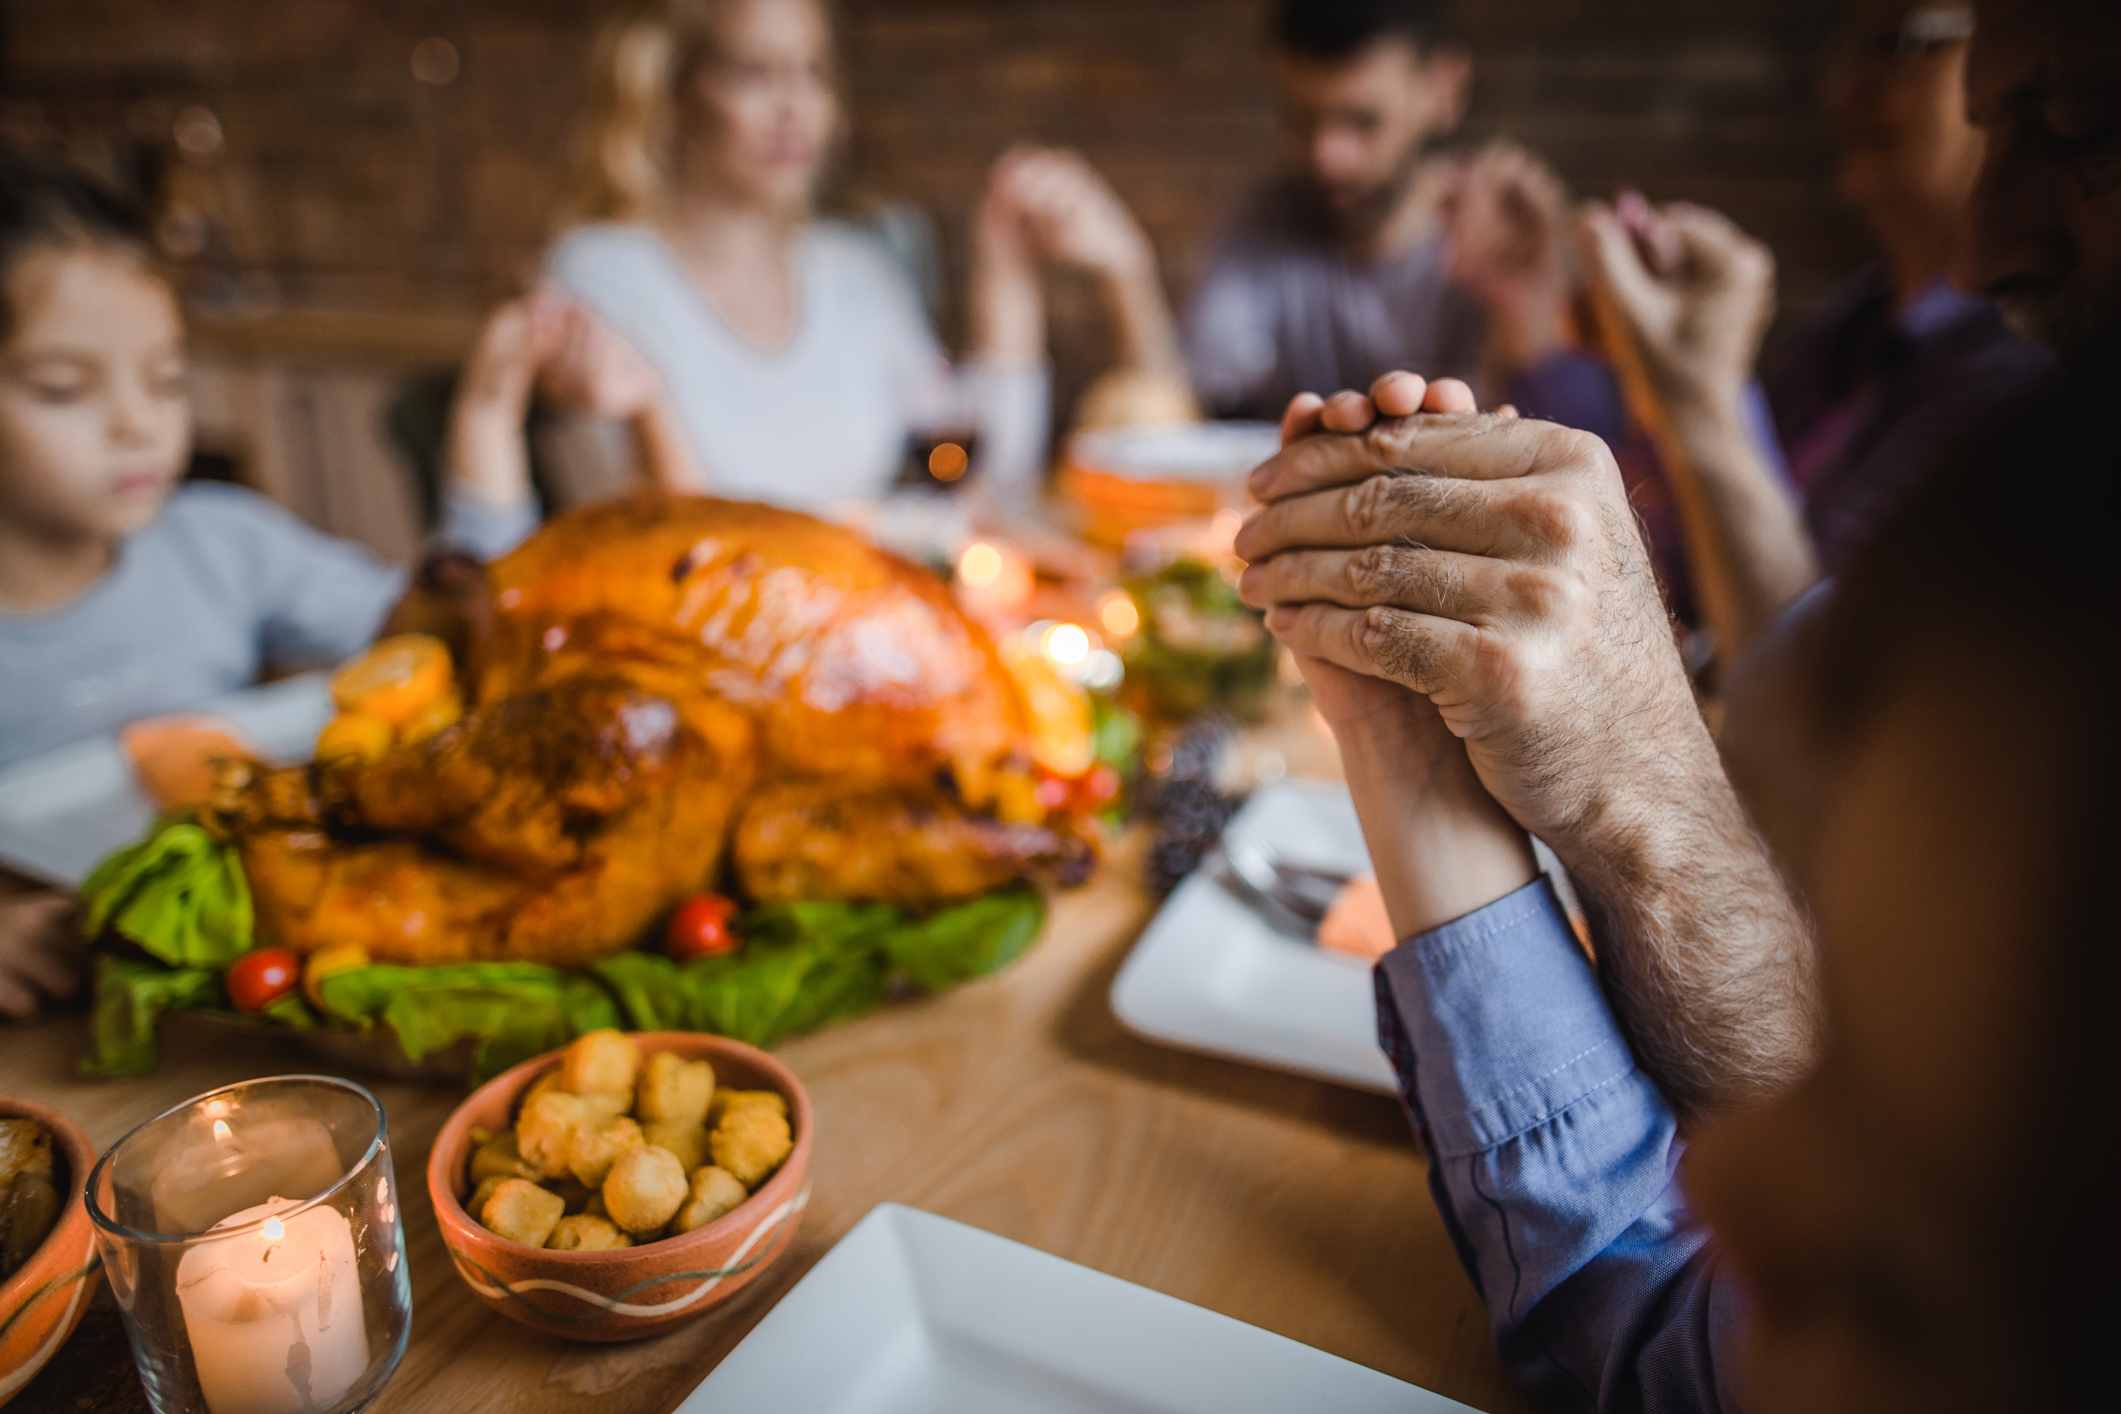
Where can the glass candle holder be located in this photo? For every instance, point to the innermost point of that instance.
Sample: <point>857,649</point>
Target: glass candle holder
<point>252,1239</point>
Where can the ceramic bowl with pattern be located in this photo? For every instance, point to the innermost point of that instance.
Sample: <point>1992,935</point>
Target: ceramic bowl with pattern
<point>635,1291</point>
<point>42,1302</point>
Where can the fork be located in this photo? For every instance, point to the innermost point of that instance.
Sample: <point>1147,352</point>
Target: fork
<point>1293,898</point>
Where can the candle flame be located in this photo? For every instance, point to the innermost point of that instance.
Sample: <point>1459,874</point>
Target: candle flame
<point>220,1129</point>
<point>274,1230</point>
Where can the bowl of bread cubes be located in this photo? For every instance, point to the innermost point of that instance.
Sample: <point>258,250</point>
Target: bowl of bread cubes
<point>625,1184</point>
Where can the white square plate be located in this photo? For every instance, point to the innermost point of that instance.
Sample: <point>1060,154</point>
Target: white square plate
<point>912,1313</point>
<point>62,810</point>
<point>1210,975</point>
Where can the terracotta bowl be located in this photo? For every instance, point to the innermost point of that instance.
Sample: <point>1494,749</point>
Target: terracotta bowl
<point>41,1304</point>
<point>635,1291</point>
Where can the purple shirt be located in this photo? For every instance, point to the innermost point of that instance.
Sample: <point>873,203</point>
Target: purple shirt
<point>1868,400</point>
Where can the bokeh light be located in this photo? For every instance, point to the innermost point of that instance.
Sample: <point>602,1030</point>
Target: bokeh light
<point>948,461</point>
<point>435,61</point>
<point>980,565</point>
<point>1067,644</point>
<point>1117,613</point>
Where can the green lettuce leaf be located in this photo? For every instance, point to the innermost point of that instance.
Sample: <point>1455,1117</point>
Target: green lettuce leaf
<point>513,1010</point>
<point>130,996</point>
<point>771,990</point>
<point>970,940</point>
<point>179,894</point>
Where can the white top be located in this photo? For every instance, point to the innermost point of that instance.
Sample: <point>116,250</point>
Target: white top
<point>825,419</point>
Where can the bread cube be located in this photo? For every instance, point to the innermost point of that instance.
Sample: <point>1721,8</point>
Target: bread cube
<point>499,1155</point>
<point>522,1212</point>
<point>687,1141</point>
<point>583,1233</point>
<point>750,1142</point>
<point>605,1060</point>
<point>672,1088</point>
<point>476,1203</point>
<point>726,1100</point>
<point>645,1188</point>
<point>597,1147</point>
<point>552,1079</point>
<point>713,1192</point>
<point>546,1128</point>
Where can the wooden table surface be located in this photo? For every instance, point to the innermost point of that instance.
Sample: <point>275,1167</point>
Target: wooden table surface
<point>1017,1104</point>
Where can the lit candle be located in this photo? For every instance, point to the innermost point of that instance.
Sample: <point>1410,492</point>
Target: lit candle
<point>274,1316</point>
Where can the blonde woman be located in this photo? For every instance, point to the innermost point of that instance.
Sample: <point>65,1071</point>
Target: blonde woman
<point>711,122</point>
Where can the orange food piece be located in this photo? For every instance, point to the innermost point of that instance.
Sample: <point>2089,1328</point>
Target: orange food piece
<point>174,758</point>
<point>1357,923</point>
<point>1061,736</point>
<point>356,735</point>
<point>396,680</point>
<point>444,712</point>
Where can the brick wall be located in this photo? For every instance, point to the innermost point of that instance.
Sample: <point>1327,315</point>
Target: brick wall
<point>340,181</point>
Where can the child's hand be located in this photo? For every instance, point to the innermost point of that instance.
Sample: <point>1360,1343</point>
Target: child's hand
<point>40,954</point>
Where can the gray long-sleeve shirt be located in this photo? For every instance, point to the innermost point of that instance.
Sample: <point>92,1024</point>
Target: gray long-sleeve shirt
<point>222,583</point>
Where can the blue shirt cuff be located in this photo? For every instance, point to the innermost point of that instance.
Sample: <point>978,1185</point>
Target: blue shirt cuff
<point>483,529</point>
<point>1502,1025</point>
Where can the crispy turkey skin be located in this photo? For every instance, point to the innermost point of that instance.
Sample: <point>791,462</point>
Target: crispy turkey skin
<point>649,682</point>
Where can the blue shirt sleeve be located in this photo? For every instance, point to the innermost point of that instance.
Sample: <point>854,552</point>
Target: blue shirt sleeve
<point>483,529</point>
<point>1555,1161</point>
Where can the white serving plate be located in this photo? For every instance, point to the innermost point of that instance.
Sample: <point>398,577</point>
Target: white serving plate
<point>62,810</point>
<point>1210,975</point>
<point>911,1313</point>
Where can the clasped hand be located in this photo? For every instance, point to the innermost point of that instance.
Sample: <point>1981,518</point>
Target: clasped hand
<point>1492,566</point>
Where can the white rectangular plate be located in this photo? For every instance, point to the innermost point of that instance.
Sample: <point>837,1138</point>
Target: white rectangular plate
<point>62,810</point>
<point>1211,975</point>
<point>912,1313</point>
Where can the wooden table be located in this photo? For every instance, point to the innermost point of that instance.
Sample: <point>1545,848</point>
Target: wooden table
<point>1016,1104</point>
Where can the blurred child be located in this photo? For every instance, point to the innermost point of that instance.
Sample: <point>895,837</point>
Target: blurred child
<point>124,594</point>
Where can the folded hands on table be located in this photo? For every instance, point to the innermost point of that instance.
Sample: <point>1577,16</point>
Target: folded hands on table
<point>1472,605</point>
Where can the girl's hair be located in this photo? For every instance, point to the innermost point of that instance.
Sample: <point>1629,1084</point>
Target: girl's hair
<point>48,207</point>
<point>626,155</point>
<point>624,162</point>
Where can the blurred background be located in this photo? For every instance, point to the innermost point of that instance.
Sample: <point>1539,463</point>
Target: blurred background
<point>346,186</point>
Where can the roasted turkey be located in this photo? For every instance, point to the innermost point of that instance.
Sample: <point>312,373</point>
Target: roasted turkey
<point>663,694</point>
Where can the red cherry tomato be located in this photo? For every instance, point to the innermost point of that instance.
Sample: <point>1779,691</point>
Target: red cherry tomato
<point>1052,792</point>
<point>701,928</point>
<point>1100,786</point>
<point>258,979</point>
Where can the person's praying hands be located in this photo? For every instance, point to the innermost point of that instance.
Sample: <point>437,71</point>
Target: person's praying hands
<point>1051,205</point>
<point>1489,570</point>
<point>1509,221</point>
<point>1684,298</point>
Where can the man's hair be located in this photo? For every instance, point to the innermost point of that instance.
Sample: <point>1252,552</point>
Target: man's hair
<point>1993,581</point>
<point>1333,30</point>
<point>44,206</point>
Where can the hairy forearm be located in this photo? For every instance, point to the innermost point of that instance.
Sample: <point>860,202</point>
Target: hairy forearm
<point>1706,958</point>
<point>1748,547</point>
